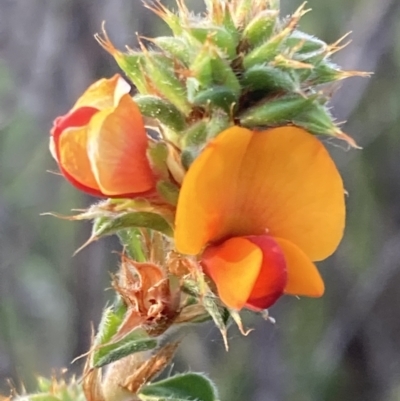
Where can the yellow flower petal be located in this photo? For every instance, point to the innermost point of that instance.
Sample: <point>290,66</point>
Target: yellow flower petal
<point>73,159</point>
<point>104,93</point>
<point>117,146</point>
<point>281,181</point>
<point>207,197</point>
<point>234,267</point>
<point>303,277</point>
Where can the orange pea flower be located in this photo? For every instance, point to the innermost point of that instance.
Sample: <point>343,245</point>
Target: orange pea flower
<point>260,207</point>
<point>100,144</point>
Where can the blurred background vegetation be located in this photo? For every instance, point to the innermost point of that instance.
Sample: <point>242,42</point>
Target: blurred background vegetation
<point>345,346</point>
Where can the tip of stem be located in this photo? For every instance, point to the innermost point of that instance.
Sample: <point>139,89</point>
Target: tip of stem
<point>341,135</point>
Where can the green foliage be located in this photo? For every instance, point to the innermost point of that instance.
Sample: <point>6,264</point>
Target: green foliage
<point>242,59</point>
<point>104,226</point>
<point>183,387</point>
<point>165,112</point>
<point>107,350</point>
<point>130,344</point>
<point>278,111</point>
<point>38,250</point>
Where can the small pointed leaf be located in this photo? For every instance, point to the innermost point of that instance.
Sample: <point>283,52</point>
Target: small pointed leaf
<point>110,321</point>
<point>161,72</point>
<point>133,342</point>
<point>105,350</point>
<point>168,191</point>
<point>219,315</point>
<point>317,120</point>
<point>157,153</point>
<point>195,135</point>
<point>131,240</point>
<point>209,69</point>
<point>264,53</point>
<point>306,43</point>
<point>162,110</point>
<point>242,11</point>
<point>221,97</point>
<point>132,64</point>
<point>275,112</point>
<point>187,387</point>
<point>175,47</point>
<point>268,78</point>
<point>109,226</point>
<point>225,40</point>
<point>261,27</point>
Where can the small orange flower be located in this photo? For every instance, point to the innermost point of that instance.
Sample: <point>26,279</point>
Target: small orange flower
<point>260,207</point>
<point>101,144</point>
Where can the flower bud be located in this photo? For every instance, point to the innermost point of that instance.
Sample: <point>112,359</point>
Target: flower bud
<point>101,144</point>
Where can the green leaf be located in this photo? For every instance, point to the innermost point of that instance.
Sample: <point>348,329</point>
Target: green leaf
<point>218,122</point>
<point>157,154</point>
<point>171,19</point>
<point>210,69</point>
<point>317,120</point>
<point>133,342</point>
<point>195,135</point>
<point>185,387</point>
<point>261,27</point>
<point>243,11</point>
<point>132,64</point>
<point>219,315</point>
<point>265,52</point>
<point>110,321</point>
<point>169,192</point>
<point>217,96</point>
<point>277,111</point>
<point>131,239</point>
<point>107,351</point>
<point>175,47</point>
<point>109,225</point>
<point>265,77</point>
<point>306,43</point>
<point>224,39</point>
<point>162,110</point>
<point>161,72</point>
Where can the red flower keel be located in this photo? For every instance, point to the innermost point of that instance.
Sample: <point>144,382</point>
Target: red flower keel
<point>247,271</point>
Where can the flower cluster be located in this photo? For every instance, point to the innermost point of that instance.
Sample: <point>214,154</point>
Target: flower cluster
<point>255,208</point>
<point>216,183</point>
